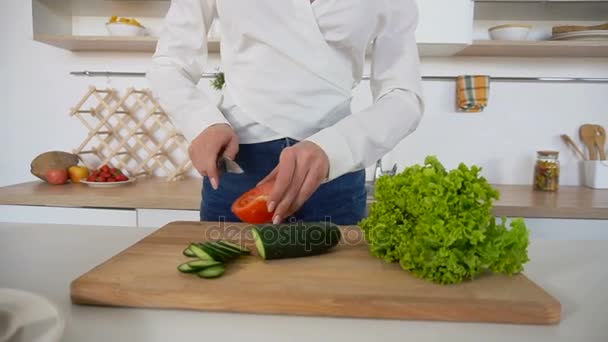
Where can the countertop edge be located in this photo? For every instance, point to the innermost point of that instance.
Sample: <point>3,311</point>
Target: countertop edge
<point>516,200</point>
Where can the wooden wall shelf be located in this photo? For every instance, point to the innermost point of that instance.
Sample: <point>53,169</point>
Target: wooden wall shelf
<point>536,49</point>
<point>108,43</point>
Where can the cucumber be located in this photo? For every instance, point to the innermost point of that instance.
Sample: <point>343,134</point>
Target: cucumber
<point>188,252</point>
<point>197,265</point>
<point>212,272</point>
<point>232,252</point>
<point>295,240</point>
<point>243,250</point>
<point>200,253</point>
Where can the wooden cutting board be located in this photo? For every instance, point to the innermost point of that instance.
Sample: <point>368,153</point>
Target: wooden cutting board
<point>346,282</point>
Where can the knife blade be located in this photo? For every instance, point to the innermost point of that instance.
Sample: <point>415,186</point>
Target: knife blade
<point>227,165</point>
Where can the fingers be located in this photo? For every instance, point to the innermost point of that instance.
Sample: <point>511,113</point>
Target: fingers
<point>232,148</point>
<point>285,172</point>
<point>291,194</point>
<point>212,171</point>
<point>309,186</point>
<point>205,163</point>
<point>207,146</point>
<point>301,166</point>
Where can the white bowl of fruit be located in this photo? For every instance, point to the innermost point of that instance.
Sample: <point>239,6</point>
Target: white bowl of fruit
<point>107,177</point>
<point>125,27</point>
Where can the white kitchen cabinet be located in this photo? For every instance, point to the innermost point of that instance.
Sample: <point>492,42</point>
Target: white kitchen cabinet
<point>540,228</point>
<point>567,229</point>
<point>156,218</point>
<point>61,215</point>
<point>445,26</point>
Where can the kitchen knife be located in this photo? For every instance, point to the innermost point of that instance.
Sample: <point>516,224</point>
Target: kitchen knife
<point>225,164</point>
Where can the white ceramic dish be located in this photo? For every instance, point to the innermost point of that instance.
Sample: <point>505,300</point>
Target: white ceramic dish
<point>25,316</point>
<point>583,35</point>
<point>124,30</point>
<point>107,184</point>
<point>510,32</point>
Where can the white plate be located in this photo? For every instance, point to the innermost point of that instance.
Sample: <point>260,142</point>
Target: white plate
<point>583,35</point>
<point>25,316</point>
<point>107,184</point>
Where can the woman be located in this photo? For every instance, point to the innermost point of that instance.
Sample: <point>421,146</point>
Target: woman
<point>284,116</point>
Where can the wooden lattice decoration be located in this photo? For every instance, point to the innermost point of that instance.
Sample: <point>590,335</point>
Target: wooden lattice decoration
<point>131,132</point>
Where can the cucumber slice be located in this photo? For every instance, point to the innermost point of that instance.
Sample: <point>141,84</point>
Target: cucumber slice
<point>243,250</point>
<point>211,252</point>
<point>232,252</point>
<point>197,265</point>
<point>200,253</point>
<point>185,268</point>
<point>295,240</point>
<point>214,253</point>
<point>188,252</point>
<point>200,264</point>
<point>218,254</point>
<point>212,272</point>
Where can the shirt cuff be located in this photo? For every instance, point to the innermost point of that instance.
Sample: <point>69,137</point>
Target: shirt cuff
<point>337,150</point>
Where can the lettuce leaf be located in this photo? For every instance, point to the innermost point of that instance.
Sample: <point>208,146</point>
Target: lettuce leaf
<point>438,225</point>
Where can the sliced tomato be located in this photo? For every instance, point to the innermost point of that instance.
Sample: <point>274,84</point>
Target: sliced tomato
<point>252,206</point>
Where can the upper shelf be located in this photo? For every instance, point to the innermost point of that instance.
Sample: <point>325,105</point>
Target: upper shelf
<point>478,48</point>
<point>541,10</point>
<point>536,49</point>
<point>107,43</point>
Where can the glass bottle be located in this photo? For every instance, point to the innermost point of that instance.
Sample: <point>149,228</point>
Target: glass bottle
<point>546,171</point>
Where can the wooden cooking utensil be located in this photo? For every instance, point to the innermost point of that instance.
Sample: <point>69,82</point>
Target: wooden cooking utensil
<point>577,28</point>
<point>600,140</point>
<point>568,141</point>
<point>588,135</point>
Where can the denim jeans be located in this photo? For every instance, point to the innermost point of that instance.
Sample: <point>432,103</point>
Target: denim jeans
<point>342,200</point>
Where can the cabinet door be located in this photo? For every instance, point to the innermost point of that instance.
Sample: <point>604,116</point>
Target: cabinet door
<point>156,218</point>
<point>567,229</point>
<point>59,215</point>
<point>445,26</point>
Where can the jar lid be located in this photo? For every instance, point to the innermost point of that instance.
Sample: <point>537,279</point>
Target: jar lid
<point>548,153</point>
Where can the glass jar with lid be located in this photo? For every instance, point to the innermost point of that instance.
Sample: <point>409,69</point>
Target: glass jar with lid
<point>546,171</point>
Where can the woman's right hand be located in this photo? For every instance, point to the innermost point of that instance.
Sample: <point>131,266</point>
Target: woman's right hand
<point>214,141</point>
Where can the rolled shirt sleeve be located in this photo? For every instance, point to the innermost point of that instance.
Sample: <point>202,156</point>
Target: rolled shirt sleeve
<point>358,140</point>
<point>177,67</point>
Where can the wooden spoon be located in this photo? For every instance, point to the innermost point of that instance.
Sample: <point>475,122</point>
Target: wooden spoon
<point>600,140</point>
<point>588,135</point>
<point>566,138</point>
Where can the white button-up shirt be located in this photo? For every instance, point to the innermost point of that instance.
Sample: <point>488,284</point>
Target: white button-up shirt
<point>290,67</point>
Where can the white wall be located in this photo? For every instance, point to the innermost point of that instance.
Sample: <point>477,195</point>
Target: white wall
<point>37,92</point>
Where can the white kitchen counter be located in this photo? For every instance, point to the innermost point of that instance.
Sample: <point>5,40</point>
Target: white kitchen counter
<point>44,259</point>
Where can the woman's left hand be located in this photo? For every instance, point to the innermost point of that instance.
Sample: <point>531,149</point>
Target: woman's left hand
<point>301,170</point>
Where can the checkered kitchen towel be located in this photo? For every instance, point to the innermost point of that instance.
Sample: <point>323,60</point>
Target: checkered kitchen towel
<point>472,93</point>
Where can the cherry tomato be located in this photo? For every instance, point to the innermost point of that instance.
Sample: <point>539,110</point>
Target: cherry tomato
<point>122,178</point>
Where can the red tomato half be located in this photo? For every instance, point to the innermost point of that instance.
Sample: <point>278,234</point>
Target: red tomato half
<point>252,206</point>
